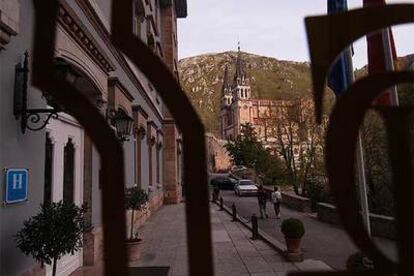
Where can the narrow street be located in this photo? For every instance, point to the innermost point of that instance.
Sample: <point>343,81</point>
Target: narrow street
<point>322,241</point>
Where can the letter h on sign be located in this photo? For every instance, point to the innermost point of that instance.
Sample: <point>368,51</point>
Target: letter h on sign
<point>16,185</point>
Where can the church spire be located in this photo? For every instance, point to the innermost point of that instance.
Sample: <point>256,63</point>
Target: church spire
<point>226,83</point>
<point>240,72</point>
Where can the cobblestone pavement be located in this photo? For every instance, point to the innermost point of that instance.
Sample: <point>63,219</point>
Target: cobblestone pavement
<point>234,252</point>
<point>322,241</point>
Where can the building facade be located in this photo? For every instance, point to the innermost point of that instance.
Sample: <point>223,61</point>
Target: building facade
<point>218,159</point>
<point>238,107</point>
<point>61,161</point>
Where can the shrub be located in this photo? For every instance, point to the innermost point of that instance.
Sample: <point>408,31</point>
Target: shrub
<point>135,199</point>
<point>55,231</point>
<point>293,228</point>
<point>316,191</point>
<point>358,262</point>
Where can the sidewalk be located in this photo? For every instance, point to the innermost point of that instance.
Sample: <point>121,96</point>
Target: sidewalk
<point>234,252</point>
<point>322,241</point>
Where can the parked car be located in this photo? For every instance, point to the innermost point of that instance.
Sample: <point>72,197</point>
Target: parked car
<point>238,168</point>
<point>224,183</point>
<point>245,187</point>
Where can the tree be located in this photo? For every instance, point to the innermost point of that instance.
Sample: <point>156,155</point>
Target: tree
<point>55,231</point>
<point>246,150</point>
<point>300,141</point>
<point>135,200</point>
<point>377,166</point>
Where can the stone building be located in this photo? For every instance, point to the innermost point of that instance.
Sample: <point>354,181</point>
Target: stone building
<point>218,159</point>
<point>60,160</point>
<point>238,107</point>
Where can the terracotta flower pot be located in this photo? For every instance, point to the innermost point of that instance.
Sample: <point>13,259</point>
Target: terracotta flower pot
<point>134,249</point>
<point>293,244</point>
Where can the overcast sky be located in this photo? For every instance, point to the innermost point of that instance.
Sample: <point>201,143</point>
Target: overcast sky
<point>272,28</point>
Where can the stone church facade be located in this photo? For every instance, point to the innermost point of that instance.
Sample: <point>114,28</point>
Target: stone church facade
<point>238,107</point>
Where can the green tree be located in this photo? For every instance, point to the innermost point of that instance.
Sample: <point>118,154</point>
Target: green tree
<point>246,150</point>
<point>377,166</point>
<point>54,232</point>
<point>300,142</point>
<point>135,200</point>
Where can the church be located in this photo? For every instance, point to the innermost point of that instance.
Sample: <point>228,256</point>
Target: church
<point>238,107</point>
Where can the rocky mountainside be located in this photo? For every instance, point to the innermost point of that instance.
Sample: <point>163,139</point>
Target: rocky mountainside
<point>202,79</point>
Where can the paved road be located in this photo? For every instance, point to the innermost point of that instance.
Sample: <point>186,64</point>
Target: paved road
<point>322,241</point>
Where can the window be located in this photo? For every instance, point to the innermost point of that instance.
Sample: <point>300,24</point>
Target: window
<point>47,195</point>
<point>158,163</point>
<point>68,171</point>
<point>138,18</point>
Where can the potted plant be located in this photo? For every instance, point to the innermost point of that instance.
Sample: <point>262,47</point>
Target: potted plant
<point>358,262</point>
<point>54,232</point>
<point>293,230</point>
<point>135,200</point>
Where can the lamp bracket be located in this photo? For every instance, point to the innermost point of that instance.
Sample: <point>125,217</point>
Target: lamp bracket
<point>29,118</point>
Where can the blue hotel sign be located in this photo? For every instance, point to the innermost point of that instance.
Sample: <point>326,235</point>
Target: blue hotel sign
<point>17,182</point>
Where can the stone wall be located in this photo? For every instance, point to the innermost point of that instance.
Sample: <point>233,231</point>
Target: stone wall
<point>36,270</point>
<point>218,158</point>
<point>381,226</point>
<point>93,246</point>
<point>140,217</point>
<point>293,201</point>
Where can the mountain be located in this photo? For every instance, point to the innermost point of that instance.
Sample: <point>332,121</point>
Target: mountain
<point>202,78</point>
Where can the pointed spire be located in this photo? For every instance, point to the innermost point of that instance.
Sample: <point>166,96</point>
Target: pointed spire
<point>226,79</point>
<point>240,73</point>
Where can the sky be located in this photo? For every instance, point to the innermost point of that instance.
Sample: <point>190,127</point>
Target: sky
<point>273,28</point>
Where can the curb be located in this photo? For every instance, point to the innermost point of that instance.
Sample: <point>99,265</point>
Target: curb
<point>278,246</point>
<point>273,243</point>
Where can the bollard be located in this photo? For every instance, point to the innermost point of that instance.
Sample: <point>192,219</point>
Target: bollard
<point>234,212</point>
<point>255,228</point>
<point>221,204</point>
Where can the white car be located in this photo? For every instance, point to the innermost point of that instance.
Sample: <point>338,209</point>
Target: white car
<point>238,168</point>
<point>245,187</point>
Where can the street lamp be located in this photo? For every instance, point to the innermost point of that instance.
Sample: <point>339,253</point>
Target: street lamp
<point>122,123</point>
<point>33,119</point>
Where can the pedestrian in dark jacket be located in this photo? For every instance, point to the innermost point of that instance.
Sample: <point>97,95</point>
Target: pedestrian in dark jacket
<point>262,198</point>
<point>216,192</point>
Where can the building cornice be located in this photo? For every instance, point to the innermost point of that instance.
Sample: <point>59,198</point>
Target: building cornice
<point>102,31</point>
<point>69,21</point>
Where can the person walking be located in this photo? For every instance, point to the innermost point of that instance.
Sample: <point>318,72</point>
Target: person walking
<point>261,197</point>
<point>216,192</point>
<point>276,199</point>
